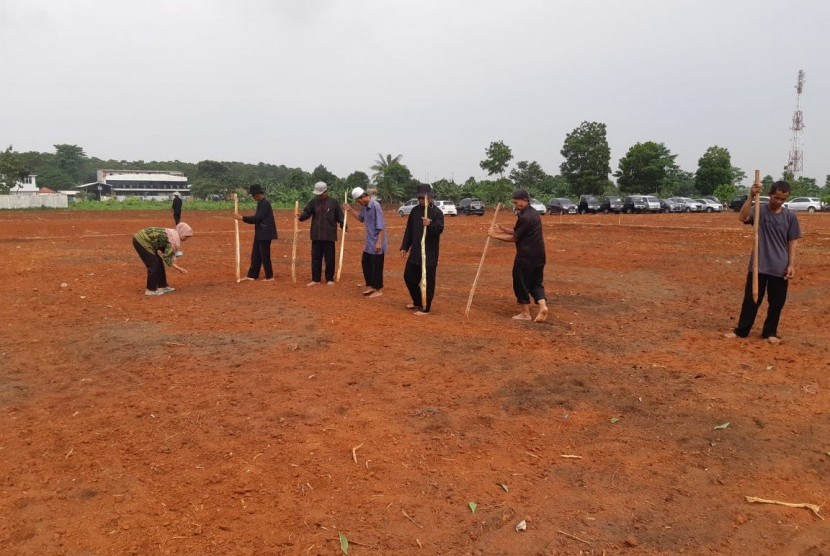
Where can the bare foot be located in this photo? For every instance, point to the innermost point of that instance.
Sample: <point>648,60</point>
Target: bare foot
<point>246,279</point>
<point>420,313</point>
<point>376,293</point>
<point>730,335</point>
<point>522,316</point>
<point>542,316</point>
<point>409,306</point>
<point>370,291</point>
<point>774,340</point>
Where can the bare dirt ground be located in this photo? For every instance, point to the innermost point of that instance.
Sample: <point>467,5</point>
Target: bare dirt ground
<point>270,418</point>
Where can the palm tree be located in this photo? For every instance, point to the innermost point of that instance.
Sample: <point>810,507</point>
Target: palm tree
<point>382,164</point>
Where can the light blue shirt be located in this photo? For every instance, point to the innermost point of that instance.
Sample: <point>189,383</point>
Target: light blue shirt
<point>372,217</point>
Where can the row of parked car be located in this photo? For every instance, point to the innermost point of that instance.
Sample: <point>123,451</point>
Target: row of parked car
<point>631,204</point>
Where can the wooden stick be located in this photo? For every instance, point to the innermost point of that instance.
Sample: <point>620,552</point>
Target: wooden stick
<point>342,238</point>
<point>812,507</point>
<point>480,264</point>
<point>423,283</point>
<point>755,251</point>
<point>236,230</point>
<point>294,245</point>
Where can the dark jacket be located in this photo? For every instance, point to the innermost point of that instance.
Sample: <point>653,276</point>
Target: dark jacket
<point>325,216</point>
<point>263,220</point>
<point>177,205</point>
<point>415,231</point>
<point>530,242</point>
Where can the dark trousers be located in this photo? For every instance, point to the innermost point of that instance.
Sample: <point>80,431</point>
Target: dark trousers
<point>156,274</point>
<point>412,278</point>
<point>776,289</point>
<point>527,283</point>
<point>320,250</point>
<point>372,270</point>
<point>177,216</point>
<point>261,257</point>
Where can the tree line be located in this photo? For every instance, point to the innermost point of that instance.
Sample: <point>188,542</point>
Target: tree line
<point>647,168</point>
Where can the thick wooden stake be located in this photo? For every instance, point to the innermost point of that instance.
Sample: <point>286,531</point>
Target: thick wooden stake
<point>342,238</point>
<point>294,244</point>
<point>236,235</point>
<point>755,251</point>
<point>423,283</point>
<point>480,264</point>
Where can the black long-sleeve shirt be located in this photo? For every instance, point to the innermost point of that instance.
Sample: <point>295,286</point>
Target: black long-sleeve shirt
<point>325,216</point>
<point>415,230</point>
<point>265,227</point>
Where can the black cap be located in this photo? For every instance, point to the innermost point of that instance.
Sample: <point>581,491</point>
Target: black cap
<point>424,190</point>
<point>521,194</point>
<point>254,189</point>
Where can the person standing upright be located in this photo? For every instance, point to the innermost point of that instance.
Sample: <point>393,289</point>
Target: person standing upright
<point>177,207</point>
<point>374,249</point>
<point>265,230</point>
<point>529,265</point>
<point>326,214</point>
<point>425,215</point>
<point>778,235</point>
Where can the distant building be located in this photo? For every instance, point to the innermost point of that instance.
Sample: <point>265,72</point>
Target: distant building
<point>27,185</point>
<point>153,184</point>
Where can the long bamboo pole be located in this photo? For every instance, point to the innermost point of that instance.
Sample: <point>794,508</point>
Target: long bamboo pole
<point>342,238</point>
<point>755,247</point>
<point>481,264</point>
<point>236,236</point>
<point>294,244</point>
<point>423,283</point>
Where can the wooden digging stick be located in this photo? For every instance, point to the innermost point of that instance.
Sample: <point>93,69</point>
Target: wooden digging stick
<point>755,251</point>
<point>481,264</point>
<point>236,230</point>
<point>423,283</point>
<point>294,245</point>
<point>342,238</point>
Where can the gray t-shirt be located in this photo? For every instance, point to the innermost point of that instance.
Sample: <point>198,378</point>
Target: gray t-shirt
<point>774,235</point>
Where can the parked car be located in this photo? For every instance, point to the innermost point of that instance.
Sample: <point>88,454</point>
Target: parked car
<point>653,203</point>
<point>736,203</point>
<point>447,207</point>
<point>587,203</point>
<point>561,206</point>
<point>635,203</point>
<point>407,207</point>
<point>610,204</point>
<point>810,204</point>
<point>708,205</point>
<point>667,205</point>
<point>538,206</point>
<point>470,206</point>
<point>689,205</point>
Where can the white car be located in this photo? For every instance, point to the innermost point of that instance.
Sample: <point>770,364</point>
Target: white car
<point>709,205</point>
<point>538,206</point>
<point>447,207</point>
<point>407,207</point>
<point>689,205</point>
<point>810,204</point>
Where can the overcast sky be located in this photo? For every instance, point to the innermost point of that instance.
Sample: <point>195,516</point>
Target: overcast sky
<point>305,82</point>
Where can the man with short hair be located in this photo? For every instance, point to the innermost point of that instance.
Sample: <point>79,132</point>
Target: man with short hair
<point>529,264</point>
<point>265,230</point>
<point>325,214</point>
<point>374,249</point>
<point>425,215</point>
<point>778,235</point>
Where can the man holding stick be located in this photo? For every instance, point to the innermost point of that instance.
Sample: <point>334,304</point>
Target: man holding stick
<point>326,214</point>
<point>778,234</point>
<point>265,230</point>
<point>374,250</point>
<point>425,216</point>
<point>529,265</point>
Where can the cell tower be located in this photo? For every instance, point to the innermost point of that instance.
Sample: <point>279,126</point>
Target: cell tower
<point>796,162</point>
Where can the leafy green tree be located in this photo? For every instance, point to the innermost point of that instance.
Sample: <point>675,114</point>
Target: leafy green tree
<point>12,169</point>
<point>552,186</point>
<point>396,184</point>
<point>713,169</point>
<point>498,191</point>
<point>212,170</point>
<point>382,164</point>
<point>806,187</point>
<point>203,188</point>
<point>528,175</point>
<point>321,173</point>
<point>645,167</point>
<point>55,178</point>
<point>726,192</point>
<point>447,189</point>
<point>767,182</point>
<point>356,179</point>
<point>827,182</point>
<point>678,183</point>
<point>738,176</point>
<point>70,159</point>
<point>499,156</point>
<point>587,158</point>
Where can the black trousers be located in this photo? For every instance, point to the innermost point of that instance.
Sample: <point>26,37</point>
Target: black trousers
<point>372,270</point>
<point>412,278</point>
<point>177,216</point>
<point>156,274</point>
<point>321,249</point>
<point>776,289</point>
<point>261,257</point>
<point>528,282</point>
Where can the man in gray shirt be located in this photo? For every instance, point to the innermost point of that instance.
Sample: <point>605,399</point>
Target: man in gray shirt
<point>778,234</point>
